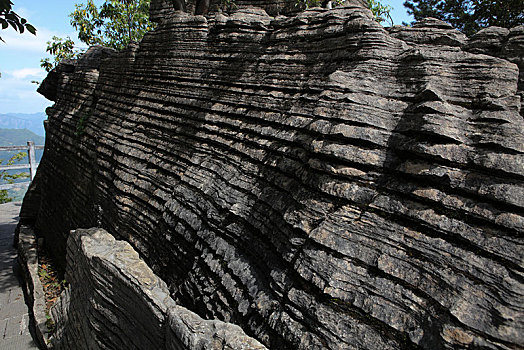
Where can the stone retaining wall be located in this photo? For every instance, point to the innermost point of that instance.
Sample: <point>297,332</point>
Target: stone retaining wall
<point>115,301</point>
<point>34,291</point>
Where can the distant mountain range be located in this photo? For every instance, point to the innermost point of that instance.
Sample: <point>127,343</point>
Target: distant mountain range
<point>33,122</point>
<point>15,130</point>
<point>19,137</point>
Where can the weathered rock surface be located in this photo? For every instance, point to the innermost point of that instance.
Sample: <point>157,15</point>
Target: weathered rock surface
<point>317,180</point>
<point>271,7</point>
<point>33,288</point>
<point>504,43</point>
<point>115,301</point>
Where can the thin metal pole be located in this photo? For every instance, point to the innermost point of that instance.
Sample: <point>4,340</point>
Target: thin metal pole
<point>32,158</point>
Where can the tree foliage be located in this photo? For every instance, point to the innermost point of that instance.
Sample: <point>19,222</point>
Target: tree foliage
<point>113,24</point>
<point>469,16</point>
<point>61,49</point>
<point>10,18</point>
<point>381,12</point>
<point>6,177</point>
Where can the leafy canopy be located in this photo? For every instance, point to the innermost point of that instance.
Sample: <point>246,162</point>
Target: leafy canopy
<point>10,18</point>
<point>469,16</point>
<point>381,12</point>
<point>114,24</point>
<point>61,49</point>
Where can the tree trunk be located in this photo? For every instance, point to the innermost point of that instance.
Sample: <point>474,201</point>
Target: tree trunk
<point>179,5</point>
<point>202,7</point>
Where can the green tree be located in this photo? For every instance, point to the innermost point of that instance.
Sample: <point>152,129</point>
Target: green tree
<point>114,24</point>
<point>10,18</point>
<point>6,177</point>
<point>469,16</point>
<point>61,49</point>
<point>381,12</point>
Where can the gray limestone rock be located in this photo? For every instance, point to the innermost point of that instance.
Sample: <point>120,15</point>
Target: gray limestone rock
<point>430,31</point>
<point>115,301</point>
<point>317,180</point>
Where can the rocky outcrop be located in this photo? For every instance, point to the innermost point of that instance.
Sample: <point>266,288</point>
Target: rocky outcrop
<point>33,289</point>
<point>504,43</point>
<point>115,301</point>
<point>317,180</point>
<point>160,8</point>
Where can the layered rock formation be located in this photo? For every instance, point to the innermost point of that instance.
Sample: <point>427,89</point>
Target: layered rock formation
<point>115,301</point>
<point>317,180</point>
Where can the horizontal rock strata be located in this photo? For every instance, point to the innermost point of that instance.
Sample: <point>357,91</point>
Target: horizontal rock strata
<point>317,180</point>
<point>114,301</point>
<point>33,289</point>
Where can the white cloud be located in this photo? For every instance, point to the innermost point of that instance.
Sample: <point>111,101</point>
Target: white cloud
<point>18,94</point>
<point>15,87</point>
<point>29,43</point>
<point>23,12</point>
<point>27,72</point>
<point>19,65</point>
<point>26,42</point>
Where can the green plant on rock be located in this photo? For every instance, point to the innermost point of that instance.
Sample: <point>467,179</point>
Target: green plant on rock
<point>52,282</point>
<point>81,124</point>
<point>49,323</point>
<point>227,5</point>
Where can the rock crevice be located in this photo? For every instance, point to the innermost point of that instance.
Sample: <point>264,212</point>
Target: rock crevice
<point>114,301</point>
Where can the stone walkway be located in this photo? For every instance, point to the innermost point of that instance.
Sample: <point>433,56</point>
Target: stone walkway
<point>14,320</point>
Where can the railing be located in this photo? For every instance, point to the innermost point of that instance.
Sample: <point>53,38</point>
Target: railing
<point>32,165</point>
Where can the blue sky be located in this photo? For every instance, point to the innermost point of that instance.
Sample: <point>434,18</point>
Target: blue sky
<point>20,55</point>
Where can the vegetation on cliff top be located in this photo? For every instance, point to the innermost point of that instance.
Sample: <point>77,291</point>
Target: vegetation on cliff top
<point>114,24</point>
<point>118,22</point>
<point>469,16</point>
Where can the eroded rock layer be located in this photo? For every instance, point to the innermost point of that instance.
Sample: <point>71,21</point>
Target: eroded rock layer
<point>315,179</point>
<point>115,301</point>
